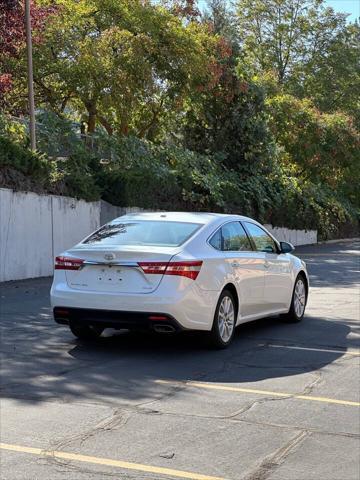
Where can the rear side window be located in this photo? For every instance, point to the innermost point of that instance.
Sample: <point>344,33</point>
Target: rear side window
<point>263,241</point>
<point>231,237</point>
<point>156,233</point>
<point>216,240</point>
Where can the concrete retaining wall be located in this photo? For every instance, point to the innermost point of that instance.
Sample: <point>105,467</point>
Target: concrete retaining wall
<point>35,228</point>
<point>72,220</point>
<point>25,235</point>
<point>108,212</point>
<point>296,237</point>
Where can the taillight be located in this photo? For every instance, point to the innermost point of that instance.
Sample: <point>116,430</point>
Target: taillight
<point>68,263</point>
<point>189,269</point>
<point>184,269</point>
<point>153,267</point>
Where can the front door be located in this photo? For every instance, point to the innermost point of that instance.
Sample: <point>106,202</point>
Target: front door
<point>278,283</point>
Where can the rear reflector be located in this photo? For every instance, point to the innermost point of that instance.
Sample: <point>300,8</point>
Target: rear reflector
<point>68,263</point>
<point>58,311</point>
<point>158,317</point>
<point>189,269</point>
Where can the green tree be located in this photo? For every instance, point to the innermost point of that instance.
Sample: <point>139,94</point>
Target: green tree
<point>317,147</point>
<point>286,35</point>
<point>227,119</point>
<point>306,58</point>
<point>123,63</point>
<point>222,20</point>
<point>332,78</point>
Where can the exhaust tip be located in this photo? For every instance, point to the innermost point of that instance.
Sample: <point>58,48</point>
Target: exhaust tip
<point>164,328</point>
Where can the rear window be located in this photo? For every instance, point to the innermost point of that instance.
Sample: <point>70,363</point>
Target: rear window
<point>157,233</point>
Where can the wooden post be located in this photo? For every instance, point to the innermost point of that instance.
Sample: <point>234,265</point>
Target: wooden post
<point>30,75</point>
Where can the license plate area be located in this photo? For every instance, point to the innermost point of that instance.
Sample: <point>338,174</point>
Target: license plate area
<point>110,274</point>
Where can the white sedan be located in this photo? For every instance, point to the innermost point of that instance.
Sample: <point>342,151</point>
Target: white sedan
<point>177,271</point>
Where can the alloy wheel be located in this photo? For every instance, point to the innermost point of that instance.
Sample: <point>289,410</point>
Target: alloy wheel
<point>226,318</point>
<point>299,298</point>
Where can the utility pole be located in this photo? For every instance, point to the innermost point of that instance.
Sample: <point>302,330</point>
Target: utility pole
<point>30,75</point>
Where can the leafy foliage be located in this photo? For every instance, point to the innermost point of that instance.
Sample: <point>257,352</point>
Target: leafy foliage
<point>12,38</point>
<point>23,160</point>
<point>155,104</point>
<point>228,119</point>
<point>285,35</point>
<point>322,146</point>
<point>121,64</point>
<point>331,79</point>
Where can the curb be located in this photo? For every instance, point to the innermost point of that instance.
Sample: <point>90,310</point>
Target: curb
<point>340,240</point>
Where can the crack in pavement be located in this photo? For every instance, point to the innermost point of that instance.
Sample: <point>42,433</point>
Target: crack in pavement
<point>233,418</point>
<point>116,419</point>
<point>274,460</point>
<point>120,417</point>
<point>307,389</point>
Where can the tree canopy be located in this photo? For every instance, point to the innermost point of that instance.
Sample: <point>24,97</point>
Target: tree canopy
<point>252,107</point>
<point>12,37</point>
<point>123,64</point>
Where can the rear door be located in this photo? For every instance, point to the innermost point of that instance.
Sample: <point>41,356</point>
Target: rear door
<point>246,264</point>
<point>278,282</point>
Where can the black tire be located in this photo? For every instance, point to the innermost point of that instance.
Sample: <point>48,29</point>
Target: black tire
<point>217,340</point>
<point>85,332</point>
<point>295,315</point>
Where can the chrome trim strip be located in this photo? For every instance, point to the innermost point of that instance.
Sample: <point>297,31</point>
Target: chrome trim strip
<point>115,264</point>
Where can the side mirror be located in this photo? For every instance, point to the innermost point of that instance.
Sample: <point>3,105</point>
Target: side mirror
<point>286,247</point>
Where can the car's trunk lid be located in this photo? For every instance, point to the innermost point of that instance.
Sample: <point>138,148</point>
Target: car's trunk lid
<point>117,270</point>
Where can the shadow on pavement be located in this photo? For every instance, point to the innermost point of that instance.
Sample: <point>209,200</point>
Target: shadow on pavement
<point>41,361</point>
<point>123,367</point>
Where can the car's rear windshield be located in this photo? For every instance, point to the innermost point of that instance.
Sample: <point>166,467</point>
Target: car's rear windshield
<point>144,232</point>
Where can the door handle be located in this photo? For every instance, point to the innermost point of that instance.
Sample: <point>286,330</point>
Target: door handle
<point>266,264</point>
<point>235,264</point>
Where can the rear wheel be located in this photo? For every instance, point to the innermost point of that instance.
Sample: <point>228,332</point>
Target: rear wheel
<point>224,321</point>
<point>298,301</point>
<point>85,332</point>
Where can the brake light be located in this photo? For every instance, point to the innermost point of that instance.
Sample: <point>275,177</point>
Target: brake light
<point>68,263</point>
<point>189,269</point>
<point>184,269</point>
<point>153,267</point>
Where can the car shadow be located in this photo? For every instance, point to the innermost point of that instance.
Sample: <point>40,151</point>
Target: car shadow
<point>124,367</point>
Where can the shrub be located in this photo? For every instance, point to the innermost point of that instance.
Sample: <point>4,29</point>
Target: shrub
<point>30,163</point>
<point>167,177</point>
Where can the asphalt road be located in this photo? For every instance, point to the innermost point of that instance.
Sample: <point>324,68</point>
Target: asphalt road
<point>282,403</point>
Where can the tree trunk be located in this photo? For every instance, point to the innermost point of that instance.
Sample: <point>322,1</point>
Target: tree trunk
<point>91,121</point>
<point>106,125</point>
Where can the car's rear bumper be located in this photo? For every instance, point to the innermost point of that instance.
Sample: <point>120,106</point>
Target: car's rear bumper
<point>192,307</point>
<point>118,319</point>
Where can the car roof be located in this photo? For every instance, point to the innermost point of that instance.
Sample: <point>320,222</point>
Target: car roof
<point>191,217</point>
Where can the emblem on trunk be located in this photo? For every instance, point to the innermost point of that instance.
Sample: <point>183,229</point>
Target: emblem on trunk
<point>109,256</point>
